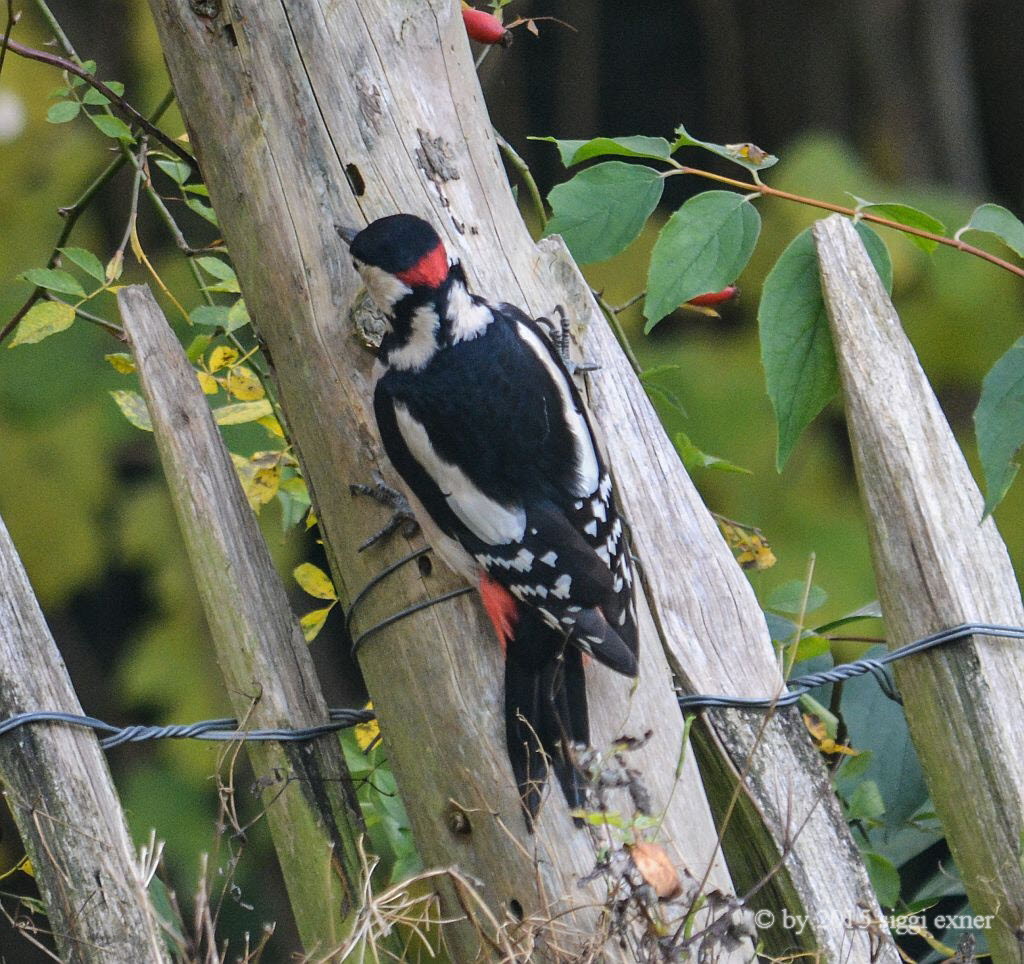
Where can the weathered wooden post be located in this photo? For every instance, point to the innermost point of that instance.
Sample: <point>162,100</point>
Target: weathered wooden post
<point>938,565</point>
<point>308,117</point>
<point>58,787</point>
<point>268,673</point>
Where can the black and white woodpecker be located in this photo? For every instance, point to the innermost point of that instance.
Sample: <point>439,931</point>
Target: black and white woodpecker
<point>479,416</point>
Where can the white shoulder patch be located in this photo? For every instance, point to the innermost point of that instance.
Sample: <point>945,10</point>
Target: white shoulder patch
<point>469,318</point>
<point>586,457</point>
<point>483,516</point>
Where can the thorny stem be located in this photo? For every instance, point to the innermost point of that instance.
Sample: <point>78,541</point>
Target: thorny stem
<point>122,105</point>
<point>11,20</point>
<point>58,30</point>
<point>72,212</point>
<point>766,191</point>
<point>523,170</point>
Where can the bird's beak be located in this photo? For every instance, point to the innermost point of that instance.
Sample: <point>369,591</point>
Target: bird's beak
<point>346,234</point>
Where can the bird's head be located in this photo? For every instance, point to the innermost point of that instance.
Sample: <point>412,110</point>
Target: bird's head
<point>397,256</point>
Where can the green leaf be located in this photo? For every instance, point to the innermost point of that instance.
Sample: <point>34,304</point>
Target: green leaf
<point>884,878</point>
<point>796,344</point>
<point>210,316</point>
<point>993,219</point>
<point>220,270</point>
<point>63,111</point>
<point>112,126</point>
<point>852,771</point>
<point>703,247</point>
<point>810,647</point>
<point>746,155</point>
<point>866,802</point>
<point>999,423</point>
<point>905,214</point>
<point>93,97</point>
<point>87,261</point>
<point>177,171</point>
<point>197,347</point>
<point>133,407</point>
<point>238,316</point>
<point>203,210</point>
<point>241,412</point>
<point>789,597</point>
<point>575,152</point>
<point>42,320</point>
<point>54,279</point>
<point>604,208</point>
<point>693,458</point>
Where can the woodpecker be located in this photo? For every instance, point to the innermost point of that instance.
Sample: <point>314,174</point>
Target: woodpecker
<point>483,423</point>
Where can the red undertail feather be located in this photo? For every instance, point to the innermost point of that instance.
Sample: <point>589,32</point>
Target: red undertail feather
<point>430,270</point>
<point>501,607</point>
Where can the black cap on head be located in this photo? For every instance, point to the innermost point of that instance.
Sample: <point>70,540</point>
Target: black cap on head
<point>395,243</point>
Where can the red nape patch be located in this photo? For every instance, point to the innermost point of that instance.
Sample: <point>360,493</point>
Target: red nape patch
<point>501,607</point>
<point>430,270</point>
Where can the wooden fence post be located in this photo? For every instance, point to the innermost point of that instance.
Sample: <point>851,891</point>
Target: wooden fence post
<point>391,111</point>
<point>311,807</point>
<point>308,117</point>
<point>57,784</point>
<point>937,565</point>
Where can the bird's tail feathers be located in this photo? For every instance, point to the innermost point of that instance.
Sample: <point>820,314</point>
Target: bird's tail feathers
<point>545,713</point>
<point>593,634</point>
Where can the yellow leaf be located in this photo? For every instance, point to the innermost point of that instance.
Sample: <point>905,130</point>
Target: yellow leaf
<point>208,383</point>
<point>242,412</point>
<point>311,520</point>
<point>115,266</point>
<point>367,733</point>
<point>221,357</point>
<point>24,865</point>
<point>272,425</point>
<point>43,319</point>
<point>133,407</point>
<point>314,581</point>
<point>243,384</point>
<point>121,362</point>
<point>313,622</point>
<point>260,477</point>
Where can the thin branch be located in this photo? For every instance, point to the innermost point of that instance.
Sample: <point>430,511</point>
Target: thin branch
<point>58,31</point>
<point>620,333</point>
<point>766,191</point>
<point>116,330</point>
<point>72,212</point>
<point>629,304</point>
<point>11,21</point>
<point>133,116</point>
<point>523,170</point>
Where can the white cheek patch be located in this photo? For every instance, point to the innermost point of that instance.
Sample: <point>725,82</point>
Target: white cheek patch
<point>488,520</point>
<point>385,289</point>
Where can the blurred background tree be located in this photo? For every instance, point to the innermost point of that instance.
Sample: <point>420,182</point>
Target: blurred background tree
<point>886,99</point>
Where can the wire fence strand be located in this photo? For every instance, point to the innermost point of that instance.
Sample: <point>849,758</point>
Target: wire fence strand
<point>227,729</point>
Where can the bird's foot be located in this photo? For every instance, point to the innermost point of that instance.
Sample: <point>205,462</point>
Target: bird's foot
<point>402,517</point>
<point>560,335</point>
